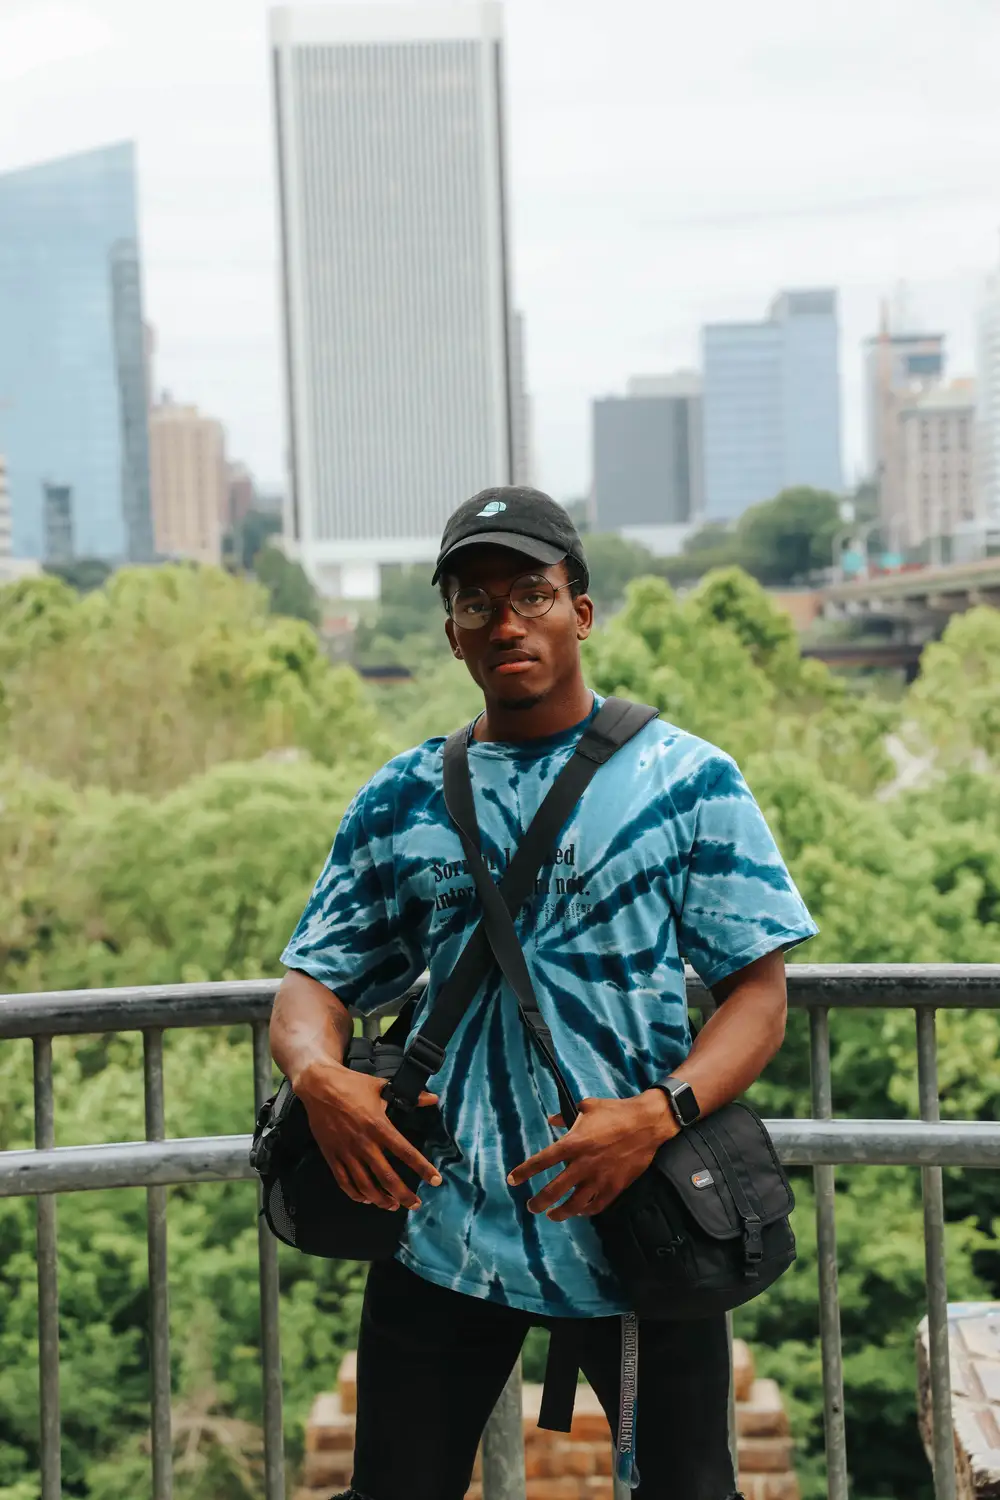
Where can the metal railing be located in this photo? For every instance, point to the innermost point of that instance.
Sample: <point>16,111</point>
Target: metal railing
<point>820,1142</point>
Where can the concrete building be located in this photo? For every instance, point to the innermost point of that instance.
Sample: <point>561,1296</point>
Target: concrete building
<point>896,366</point>
<point>59,529</point>
<point>647,460</point>
<point>988,410</point>
<point>11,568</point>
<point>772,416</point>
<point>72,351</point>
<point>397,325</point>
<point>240,496</point>
<point>189,482</point>
<point>937,442</point>
<point>522,416</point>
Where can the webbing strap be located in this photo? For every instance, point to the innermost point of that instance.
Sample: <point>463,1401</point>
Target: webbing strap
<point>613,725</point>
<point>617,722</point>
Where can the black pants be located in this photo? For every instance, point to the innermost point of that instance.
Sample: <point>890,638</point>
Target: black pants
<point>432,1363</point>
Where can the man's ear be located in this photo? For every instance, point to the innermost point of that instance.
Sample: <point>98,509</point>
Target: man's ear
<point>449,630</point>
<point>584,606</point>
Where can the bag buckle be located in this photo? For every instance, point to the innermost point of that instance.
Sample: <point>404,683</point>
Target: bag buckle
<point>753,1242</point>
<point>425,1053</point>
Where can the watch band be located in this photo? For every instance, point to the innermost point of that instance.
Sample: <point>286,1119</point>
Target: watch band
<point>682,1100</point>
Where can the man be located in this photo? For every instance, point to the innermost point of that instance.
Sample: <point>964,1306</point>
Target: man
<point>666,856</point>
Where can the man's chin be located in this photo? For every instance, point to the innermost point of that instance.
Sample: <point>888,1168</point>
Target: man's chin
<point>525,701</point>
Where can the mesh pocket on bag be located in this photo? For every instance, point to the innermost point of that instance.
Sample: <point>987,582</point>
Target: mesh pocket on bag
<point>277,1211</point>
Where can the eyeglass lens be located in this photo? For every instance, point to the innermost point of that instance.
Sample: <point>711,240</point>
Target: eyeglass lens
<point>529,597</point>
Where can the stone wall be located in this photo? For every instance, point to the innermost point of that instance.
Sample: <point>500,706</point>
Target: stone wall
<point>574,1465</point>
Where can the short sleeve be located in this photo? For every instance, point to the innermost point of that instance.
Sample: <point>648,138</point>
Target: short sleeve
<point>350,936</point>
<point>739,900</point>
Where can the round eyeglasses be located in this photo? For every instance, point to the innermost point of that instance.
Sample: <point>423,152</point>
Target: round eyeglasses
<point>530,596</point>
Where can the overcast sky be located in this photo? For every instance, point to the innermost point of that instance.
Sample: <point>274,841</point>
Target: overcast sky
<point>672,163</point>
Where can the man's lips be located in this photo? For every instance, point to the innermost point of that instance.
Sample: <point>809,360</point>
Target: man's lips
<point>517,661</point>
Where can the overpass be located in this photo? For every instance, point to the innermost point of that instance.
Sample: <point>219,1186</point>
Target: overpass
<point>916,603</point>
<point>904,654</point>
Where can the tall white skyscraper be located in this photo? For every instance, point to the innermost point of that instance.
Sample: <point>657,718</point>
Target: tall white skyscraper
<point>395,277</point>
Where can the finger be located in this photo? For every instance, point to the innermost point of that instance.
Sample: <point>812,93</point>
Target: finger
<point>398,1146</point>
<point>390,1180</point>
<point>371,1190</point>
<point>556,1190</point>
<point>344,1182</point>
<point>553,1156</point>
<point>557,1120</point>
<point>425,1099</point>
<point>582,1205</point>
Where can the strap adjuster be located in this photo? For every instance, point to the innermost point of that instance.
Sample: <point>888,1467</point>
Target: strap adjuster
<point>425,1053</point>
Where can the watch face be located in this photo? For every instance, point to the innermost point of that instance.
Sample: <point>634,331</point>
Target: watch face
<point>685,1104</point>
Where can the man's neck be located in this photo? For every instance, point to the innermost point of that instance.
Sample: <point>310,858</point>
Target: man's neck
<point>555,713</point>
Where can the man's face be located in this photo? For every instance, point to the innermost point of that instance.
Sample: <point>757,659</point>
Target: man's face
<point>517,661</point>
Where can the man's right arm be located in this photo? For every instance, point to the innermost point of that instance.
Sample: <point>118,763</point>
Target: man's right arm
<point>311,1030</point>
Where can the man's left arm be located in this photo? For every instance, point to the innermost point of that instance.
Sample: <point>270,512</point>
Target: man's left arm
<point>614,1140</point>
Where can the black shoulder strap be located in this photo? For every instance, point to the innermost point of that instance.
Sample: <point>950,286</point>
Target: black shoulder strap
<point>614,724</point>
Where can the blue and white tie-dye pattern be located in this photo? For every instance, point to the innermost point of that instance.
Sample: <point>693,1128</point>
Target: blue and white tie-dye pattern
<point>667,854</point>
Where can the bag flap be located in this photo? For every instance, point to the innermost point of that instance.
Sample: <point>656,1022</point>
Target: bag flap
<point>695,1164</point>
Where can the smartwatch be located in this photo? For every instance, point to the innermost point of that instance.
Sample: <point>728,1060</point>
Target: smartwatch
<point>682,1100</point>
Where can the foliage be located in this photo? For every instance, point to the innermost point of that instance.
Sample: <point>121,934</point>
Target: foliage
<point>779,542</point>
<point>613,563</point>
<point>178,758</point>
<point>252,534</point>
<point>407,628</point>
<point>164,672</point>
<point>290,591</point>
<point>956,699</point>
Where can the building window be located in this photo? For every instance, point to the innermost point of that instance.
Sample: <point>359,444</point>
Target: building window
<point>963,434</point>
<point>943,435</point>
<point>925,435</point>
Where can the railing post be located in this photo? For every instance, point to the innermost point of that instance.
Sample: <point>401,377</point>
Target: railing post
<point>48,1284</point>
<point>159,1297</point>
<point>503,1444</point>
<point>826,1255</point>
<point>939,1357</point>
<point>270,1308</point>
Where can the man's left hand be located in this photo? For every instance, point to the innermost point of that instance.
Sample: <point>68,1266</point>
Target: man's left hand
<point>610,1144</point>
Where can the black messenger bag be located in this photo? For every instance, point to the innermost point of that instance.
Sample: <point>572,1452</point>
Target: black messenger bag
<point>706,1227</point>
<point>303,1203</point>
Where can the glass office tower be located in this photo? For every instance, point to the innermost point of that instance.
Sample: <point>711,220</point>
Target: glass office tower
<point>73,397</point>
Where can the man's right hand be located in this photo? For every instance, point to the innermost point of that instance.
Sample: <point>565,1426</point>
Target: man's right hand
<point>348,1117</point>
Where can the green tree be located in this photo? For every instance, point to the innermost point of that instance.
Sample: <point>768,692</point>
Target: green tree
<point>290,591</point>
<point>790,537</point>
<point>253,533</point>
<point>956,698</point>
<point>613,563</point>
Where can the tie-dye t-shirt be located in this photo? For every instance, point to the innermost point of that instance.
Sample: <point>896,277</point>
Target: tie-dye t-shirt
<point>666,856</point>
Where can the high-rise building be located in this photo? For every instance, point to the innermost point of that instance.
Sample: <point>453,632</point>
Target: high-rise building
<point>11,567</point>
<point>58,515</point>
<point>937,441</point>
<point>189,481</point>
<point>522,426</point>
<point>988,412</point>
<point>6,518</point>
<point>647,460</point>
<point>397,315</point>
<point>772,403</point>
<point>72,372</point>
<point>896,364</point>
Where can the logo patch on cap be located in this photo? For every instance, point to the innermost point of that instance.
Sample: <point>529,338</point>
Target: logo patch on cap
<point>493,508</point>
<point>702,1179</point>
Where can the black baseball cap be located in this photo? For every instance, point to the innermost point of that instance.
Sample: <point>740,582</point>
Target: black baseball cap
<point>517,517</point>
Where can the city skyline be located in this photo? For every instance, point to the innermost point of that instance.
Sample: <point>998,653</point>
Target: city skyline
<point>396,292</point>
<point>622,245</point>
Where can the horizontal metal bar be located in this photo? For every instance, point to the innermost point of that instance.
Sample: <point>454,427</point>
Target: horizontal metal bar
<point>850,986</point>
<point>800,1143</point>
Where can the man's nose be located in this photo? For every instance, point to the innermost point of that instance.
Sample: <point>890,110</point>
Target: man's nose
<point>506,624</point>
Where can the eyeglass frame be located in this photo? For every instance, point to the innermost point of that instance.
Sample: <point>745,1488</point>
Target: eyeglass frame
<point>495,600</point>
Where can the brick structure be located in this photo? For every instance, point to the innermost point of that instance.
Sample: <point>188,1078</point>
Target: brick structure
<point>574,1465</point>
<point>974,1346</point>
